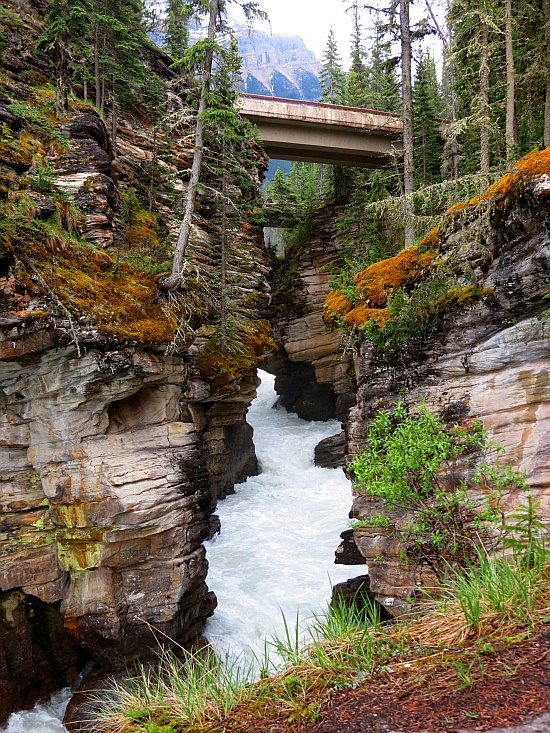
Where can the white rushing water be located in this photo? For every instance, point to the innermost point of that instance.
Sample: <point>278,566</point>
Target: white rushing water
<point>43,718</point>
<point>275,553</point>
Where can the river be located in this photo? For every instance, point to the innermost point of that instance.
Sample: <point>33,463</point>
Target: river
<point>275,553</point>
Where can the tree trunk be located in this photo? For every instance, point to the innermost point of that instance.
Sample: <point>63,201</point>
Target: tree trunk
<point>456,171</point>
<point>173,280</point>
<point>510,83</point>
<point>85,90</point>
<point>113,123</point>
<point>452,93</point>
<point>408,139</point>
<point>546,13</point>
<point>223,278</point>
<point>96,63</point>
<point>485,164</point>
<point>153,169</point>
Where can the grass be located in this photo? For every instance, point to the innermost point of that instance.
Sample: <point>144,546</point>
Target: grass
<point>493,603</point>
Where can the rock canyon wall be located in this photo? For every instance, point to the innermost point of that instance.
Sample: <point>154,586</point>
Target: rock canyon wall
<point>114,448</point>
<point>314,377</point>
<point>487,358</point>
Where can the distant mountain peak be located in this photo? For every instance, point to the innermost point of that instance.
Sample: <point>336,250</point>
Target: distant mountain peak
<point>277,65</point>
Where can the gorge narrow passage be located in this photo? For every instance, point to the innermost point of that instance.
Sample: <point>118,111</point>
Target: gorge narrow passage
<point>275,553</point>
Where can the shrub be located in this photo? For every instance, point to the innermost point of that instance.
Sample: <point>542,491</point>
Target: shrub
<point>410,463</point>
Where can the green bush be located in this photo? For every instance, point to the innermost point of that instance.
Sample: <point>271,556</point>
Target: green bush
<point>409,463</point>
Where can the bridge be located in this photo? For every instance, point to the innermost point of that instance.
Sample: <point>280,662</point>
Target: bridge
<point>316,132</point>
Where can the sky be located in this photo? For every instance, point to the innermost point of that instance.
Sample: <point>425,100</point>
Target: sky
<point>312,19</point>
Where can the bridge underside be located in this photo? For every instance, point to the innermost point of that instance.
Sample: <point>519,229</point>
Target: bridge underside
<point>355,148</point>
<point>323,133</point>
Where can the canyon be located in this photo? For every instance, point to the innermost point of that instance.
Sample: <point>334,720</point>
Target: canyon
<point>123,420</point>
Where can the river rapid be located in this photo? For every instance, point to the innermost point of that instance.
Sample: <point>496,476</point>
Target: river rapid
<point>275,553</point>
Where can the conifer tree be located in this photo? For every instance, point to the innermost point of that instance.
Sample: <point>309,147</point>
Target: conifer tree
<point>384,91</point>
<point>119,36</point>
<point>408,123</point>
<point>475,37</point>
<point>176,27</point>
<point>331,78</point>
<point>201,55</point>
<point>67,37</point>
<point>426,105</point>
<point>511,138</point>
<point>357,81</point>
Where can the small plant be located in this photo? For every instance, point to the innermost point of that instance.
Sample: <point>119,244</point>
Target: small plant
<point>43,178</point>
<point>38,123</point>
<point>524,533</point>
<point>378,520</point>
<point>464,672</point>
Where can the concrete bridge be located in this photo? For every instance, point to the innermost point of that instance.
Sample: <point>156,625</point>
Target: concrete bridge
<point>323,133</point>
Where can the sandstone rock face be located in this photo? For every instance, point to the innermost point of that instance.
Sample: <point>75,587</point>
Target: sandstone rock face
<point>312,375</point>
<point>108,477</point>
<point>489,361</point>
<point>105,497</point>
<point>330,452</point>
<point>36,653</point>
<point>112,454</point>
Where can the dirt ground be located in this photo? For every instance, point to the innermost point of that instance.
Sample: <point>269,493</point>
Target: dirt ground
<point>502,688</point>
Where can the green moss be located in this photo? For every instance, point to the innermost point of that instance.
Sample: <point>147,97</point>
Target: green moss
<point>39,123</point>
<point>220,368</point>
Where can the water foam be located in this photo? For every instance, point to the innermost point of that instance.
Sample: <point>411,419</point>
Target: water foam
<point>275,553</point>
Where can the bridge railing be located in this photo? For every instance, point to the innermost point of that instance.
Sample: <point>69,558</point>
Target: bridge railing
<point>305,102</point>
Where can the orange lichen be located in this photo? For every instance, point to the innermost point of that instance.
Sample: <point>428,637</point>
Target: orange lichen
<point>456,207</point>
<point>115,297</point>
<point>431,239</point>
<point>360,315</point>
<point>336,305</point>
<point>533,164</point>
<point>379,281</point>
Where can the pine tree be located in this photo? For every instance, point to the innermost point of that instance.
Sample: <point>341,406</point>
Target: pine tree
<point>201,55</point>
<point>67,37</point>
<point>331,78</point>
<point>384,92</point>
<point>176,27</point>
<point>426,105</point>
<point>357,81</point>
<point>119,36</point>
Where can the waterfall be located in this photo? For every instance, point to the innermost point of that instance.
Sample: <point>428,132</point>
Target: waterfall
<point>275,553</point>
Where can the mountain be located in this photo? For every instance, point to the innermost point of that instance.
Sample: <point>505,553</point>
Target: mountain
<point>277,65</point>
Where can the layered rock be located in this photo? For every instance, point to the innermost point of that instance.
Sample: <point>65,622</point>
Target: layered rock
<point>314,378</point>
<point>489,360</point>
<point>114,444</point>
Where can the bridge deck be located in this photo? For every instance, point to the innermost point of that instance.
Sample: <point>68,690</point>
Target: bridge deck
<point>323,133</point>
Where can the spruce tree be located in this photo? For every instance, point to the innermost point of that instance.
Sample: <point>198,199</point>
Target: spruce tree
<point>384,92</point>
<point>426,105</point>
<point>201,55</point>
<point>357,81</point>
<point>176,27</point>
<point>67,37</point>
<point>331,78</point>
